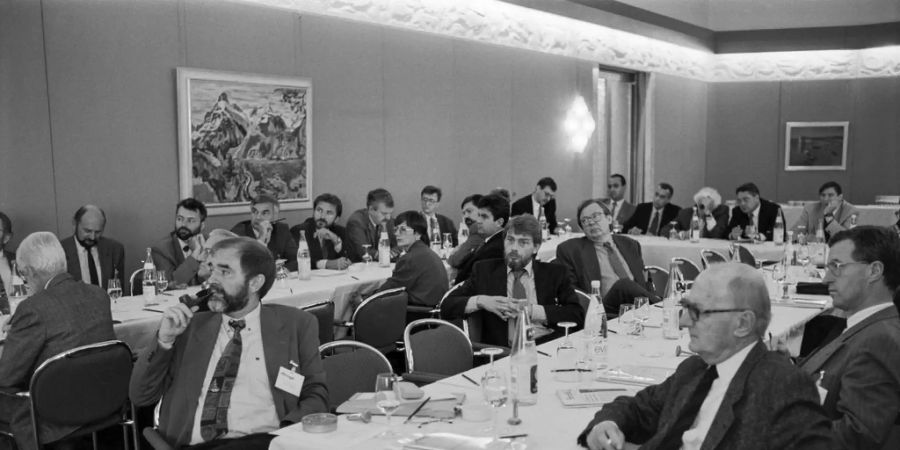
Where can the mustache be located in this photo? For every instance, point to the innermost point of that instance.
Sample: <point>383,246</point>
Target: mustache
<point>321,223</point>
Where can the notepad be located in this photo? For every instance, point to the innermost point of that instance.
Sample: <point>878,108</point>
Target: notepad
<point>584,398</point>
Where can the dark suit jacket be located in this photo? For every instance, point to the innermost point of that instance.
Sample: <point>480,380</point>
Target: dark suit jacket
<point>769,404</point>
<point>524,206</point>
<point>579,258</point>
<point>361,231</point>
<point>643,213</point>
<point>316,250</point>
<point>447,226</point>
<point>281,243</point>
<point>624,213</point>
<point>422,273</point>
<point>112,258</point>
<point>177,375</point>
<point>491,249</point>
<point>168,257</point>
<point>551,285</point>
<point>862,376</point>
<point>768,211</point>
<point>66,315</point>
<point>10,257</point>
<point>720,231</point>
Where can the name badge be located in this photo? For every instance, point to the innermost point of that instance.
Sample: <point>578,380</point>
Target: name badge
<point>289,381</point>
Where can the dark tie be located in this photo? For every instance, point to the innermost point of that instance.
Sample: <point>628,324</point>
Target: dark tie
<point>186,248</point>
<point>654,224</point>
<point>214,419</point>
<point>518,291</point>
<point>92,268</point>
<point>685,419</point>
<point>616,262</point>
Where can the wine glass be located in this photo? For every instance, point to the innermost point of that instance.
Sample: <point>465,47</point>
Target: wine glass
<point>496,392</point>
<point>114,289</point>
<point>566,357</point>
<point>387,399</point>
<point>751,232</point>
<point>162,282</point>
<point>627,322</point>
<point>366,257</point>
<point>642,309</point>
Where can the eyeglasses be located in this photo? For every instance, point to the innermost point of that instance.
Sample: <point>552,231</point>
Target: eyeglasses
<point>594,219</point>
<point>402,229</point>
<point>694,312</point>
<point>837,267</point>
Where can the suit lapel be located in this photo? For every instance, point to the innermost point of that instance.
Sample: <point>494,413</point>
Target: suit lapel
<point>196,360</point>
<point>275,347</point>
<point>725,416</point>
<point>589,259</point>
<point>176,250</point>
<point>818,358</point>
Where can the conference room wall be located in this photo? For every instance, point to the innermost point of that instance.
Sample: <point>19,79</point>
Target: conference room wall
<point>747,128</point>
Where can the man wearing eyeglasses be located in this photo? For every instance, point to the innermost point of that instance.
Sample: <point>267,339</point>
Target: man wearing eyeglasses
<point>437,223</point>
<point>418,269</point>
<point>179,253</point>
<point>734,394</point>
<point>861,380</point>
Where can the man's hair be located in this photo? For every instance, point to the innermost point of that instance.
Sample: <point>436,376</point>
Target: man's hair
<point>747,187</point>
<point>7,224</point>
<point>255,259</point>
<point>667,187</point>
<point>84,209</point>
<point>831,184</point>
<point>414,220</point>
<point>332,199</point>
<point>501,191</point>
<point>265,198</point>
<point>428,190</point>
<point>748,289</point>
<point>42,253</point>
<point>192,204</point>
<point>870,244</point>
<point>474,198</point>
<point>621,177</point>
<point>380,195</point>
<point>223,233</point>
<point>546,181</point>
<point>707,191</point>
<point>585,204</point>
<point>527,225</point>
<point>498,206</point>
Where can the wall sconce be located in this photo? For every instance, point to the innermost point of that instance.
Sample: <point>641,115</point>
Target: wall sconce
<point>579,125</point>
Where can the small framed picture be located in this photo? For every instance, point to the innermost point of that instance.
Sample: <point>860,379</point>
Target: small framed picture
<point>815,146</point>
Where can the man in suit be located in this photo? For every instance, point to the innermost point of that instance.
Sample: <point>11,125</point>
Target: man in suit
<point>365,226</point>
<point>180,253</point>
<point>61,314</point>
<point>614,260</point>
<point>91,257</point>
<point>437,223</point>
<point>419,269</point>
<point>193,365</point>
<point>543,197</point>
<point>861,366</point>
<point>474,241</point>
<point>752,210</point>
<point>492,216</point>
<point>712,213</point>
<point>489,297</point>
<point>6,257</point>
<point>324,237</point>
<point>725,396</point>
<point>265,226</point>
<point>650,217</point>
<point>621,210</point>
<point>831,211</point>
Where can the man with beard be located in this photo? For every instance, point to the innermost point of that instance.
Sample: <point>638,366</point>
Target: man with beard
<point>179,254</point>
<point>323,235</point>
<point>265,226</point>
<point>90,257</point>
<point>488,298</point>
<point>464,251</point>
<point>217,371</point>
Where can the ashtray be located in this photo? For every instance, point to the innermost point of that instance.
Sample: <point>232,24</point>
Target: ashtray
<point>319,423</point>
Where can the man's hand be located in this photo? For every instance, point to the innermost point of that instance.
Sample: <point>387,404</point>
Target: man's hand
<point>606,435</point>
<point>503,307</point>
<point>832,206</point>
<point>175,320</point>
<point>326,234</point>
<point>337,264</point>
<point>635,230</point>
<point>735,233</point>
<point>196,243</point>
<point>264,230</point>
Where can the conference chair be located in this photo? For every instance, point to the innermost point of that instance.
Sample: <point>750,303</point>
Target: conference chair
<point>584,299</point>
<point>435,349</point>
<point>688,268</point>
<point>324,313</point>
<point>745,255</point>
<point>136,276</point>
<point>352,367</point>
<point>711,257</point>
<point>471,326</point>
<point>85,388</point>
<point>660,279</point>
<point>379,320</point>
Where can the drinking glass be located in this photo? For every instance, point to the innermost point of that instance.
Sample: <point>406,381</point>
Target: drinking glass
<point>616,227</point>
<point>447,245</point>
<point>367,258</point>
<point>626,319</point>
<point>751,232</point>
<point>567,228</point>
<point>114,289</point>
<point>496,392</point>
<point>162,283</point>
<point>566,357</point>
<point>642,309</point>
<point>387,399</point>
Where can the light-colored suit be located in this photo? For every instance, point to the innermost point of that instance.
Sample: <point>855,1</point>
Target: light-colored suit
<point>813,213</point>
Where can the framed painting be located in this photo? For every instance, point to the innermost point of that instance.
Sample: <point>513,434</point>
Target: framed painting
<point>815,146</point>
<point>242,135</point>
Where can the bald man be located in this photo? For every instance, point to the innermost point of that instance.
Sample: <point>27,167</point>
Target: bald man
<point>90,257</point>
<point>734,394</point>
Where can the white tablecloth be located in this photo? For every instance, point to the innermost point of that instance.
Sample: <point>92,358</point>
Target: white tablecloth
<point>547,251</point>
<point>659,251</point>
<point>882,215</point>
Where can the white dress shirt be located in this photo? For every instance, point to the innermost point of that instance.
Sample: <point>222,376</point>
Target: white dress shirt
<point>754,217</point>
<point>428,220</point>
<point>864,314</point>
<point>692,439</point>
<point>252,408</point>
<point>83,262</point>
<point>616,204</point>
<point>536,207</point>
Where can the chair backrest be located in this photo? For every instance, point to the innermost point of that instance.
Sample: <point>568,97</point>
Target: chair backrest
<point>660,278</point>
<point>584,299</point>
<point>440,348</point>
<point>688,268</point>
<point>380,319</point>
<point>746,255</point>
<point>82,386</point>
<point>711,257</point>
<point>351,367</point>
<point>324,313</point>
<point>461,323</point>
<point>136,276</point>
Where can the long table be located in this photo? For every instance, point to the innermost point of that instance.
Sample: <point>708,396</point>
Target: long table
<point>881,215</point>
<point>659,251</point>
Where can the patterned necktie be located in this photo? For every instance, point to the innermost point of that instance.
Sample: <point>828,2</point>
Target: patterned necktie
<point>214,419</point>
<point>616,262</point>
<point>518,291</point>
<point>92,268</point>
<point>653,229</point>
<point>688,414</point>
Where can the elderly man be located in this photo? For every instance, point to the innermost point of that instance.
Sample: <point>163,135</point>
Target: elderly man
<point>179,253</point>
<point>860,368</point>
<point>6,257</point>
<point>621,210</point>
<point>543,198</point>
<point>649,218</point>
<point>831,212</point>
<point>437,223</point>
<point>712,213</point>
<point>419,269</point>
<point>489,296</point>
<point>324,237</point>
<point>90,256</point>
<point>752,210</point>
<point>492,215</point>
<point>364,226</point>
<point>60,314</point>
<point>265,226</point>
<point>224,376</point>
<point>734,394</point>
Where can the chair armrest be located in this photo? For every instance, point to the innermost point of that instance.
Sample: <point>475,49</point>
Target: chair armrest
<point>422,378</point>
<point>13,393</point>
<point>420,309</point>
<point>155,439</point>
<point>344,324</point>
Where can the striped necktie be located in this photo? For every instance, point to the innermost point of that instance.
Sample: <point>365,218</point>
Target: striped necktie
<point>214,419</point>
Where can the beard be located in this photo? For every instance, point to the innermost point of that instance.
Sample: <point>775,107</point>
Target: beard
<point>185,233</point>
<point>223,302</point>
<point>515,261</point>
<point>87,242</point>
<point>321,223</point>
<point>469,221</point>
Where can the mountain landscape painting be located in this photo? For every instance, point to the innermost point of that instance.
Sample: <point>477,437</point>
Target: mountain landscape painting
<point>243,136</point>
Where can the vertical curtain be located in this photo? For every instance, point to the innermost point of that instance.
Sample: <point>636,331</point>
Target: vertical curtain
<point>642,167</point>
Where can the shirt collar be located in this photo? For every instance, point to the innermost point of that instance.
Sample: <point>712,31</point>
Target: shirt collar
<point>529,269</point>
<point>728,368</point>
<point>864,314</point>
<point>251,320</point>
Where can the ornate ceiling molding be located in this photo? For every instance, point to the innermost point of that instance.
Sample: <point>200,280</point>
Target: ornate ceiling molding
<point>514,26</point>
